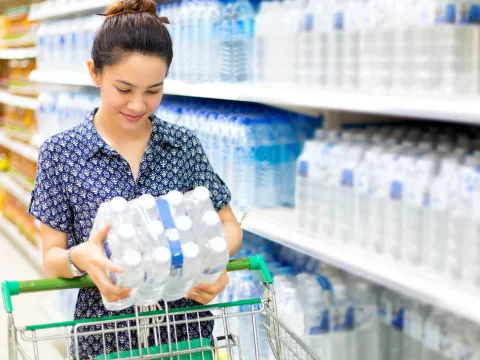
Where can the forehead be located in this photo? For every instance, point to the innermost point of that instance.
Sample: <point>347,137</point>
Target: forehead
<point>137,69</point>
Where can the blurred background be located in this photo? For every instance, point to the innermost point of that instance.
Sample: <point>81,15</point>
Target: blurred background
<point>347,130</point>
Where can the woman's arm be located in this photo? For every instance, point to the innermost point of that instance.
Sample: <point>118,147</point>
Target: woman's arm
<point>233,231</point>
<point>88,256</point>
<point>54,249</point>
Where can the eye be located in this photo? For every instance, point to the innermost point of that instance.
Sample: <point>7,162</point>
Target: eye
<point>153,92</point>
<point>123,91</point>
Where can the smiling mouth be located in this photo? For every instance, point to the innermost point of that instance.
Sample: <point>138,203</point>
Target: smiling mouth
<point>133,117</point>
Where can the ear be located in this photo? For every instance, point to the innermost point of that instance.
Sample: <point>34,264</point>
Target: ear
<point>93,73</point>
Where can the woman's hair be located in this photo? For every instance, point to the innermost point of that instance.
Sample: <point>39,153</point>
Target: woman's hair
<point>131,26</point>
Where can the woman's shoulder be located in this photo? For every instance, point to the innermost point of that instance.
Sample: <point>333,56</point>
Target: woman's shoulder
<point>63,143</point>
<point>176,133</point>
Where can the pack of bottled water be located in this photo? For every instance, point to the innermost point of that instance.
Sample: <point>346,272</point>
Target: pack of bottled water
<point>407,194</point>
<point>252,147</point>
<point>165,246</point>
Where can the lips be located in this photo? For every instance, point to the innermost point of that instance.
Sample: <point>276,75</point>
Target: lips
<point>132,117</point>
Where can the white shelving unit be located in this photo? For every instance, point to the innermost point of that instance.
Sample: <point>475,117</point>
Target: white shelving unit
<point>15,189</point>
<point>278,225</point>
<point>18,101</point>
<point>48,11</point>
<point>462,109</point>
<point>31,252</point>
<point>20,53</point>
<point>27,151</point>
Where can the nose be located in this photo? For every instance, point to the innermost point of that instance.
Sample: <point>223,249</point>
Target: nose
<point>137,105</point>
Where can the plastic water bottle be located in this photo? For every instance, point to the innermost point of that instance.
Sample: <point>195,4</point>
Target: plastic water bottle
<point>185,229</point>
<point>178,287</point>
<point>215,259</point>
<point>392,309</point>
<point>366,334</point>
<point>175,200</point>
<point>243,33</point>
<point>157,266</point>
<point>304,170</point>
<point>416,316</point>
<point>226,42</point>
<point>266,157</point>
<point>438,339</point>
<point>342,322</point>
<point>211,227</point>
<point>123,251</point>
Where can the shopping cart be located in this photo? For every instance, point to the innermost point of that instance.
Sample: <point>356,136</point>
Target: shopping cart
<point>133,329</point>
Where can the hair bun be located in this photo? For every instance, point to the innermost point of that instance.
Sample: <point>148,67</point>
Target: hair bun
<point>131,6</point>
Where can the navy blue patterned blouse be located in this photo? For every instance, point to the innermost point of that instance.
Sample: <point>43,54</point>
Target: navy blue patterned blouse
<point>77,171</point>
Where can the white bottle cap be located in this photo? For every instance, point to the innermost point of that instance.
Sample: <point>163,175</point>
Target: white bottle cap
<point>156,228</point>
<point>201,193</point>
<point>118,204</point>
<point>190,250</point>
<point>126,231</point>
<point>175,198</point>
<point>147,201</point>
<point>132,257</point>
<point>183,223</point>
<point>210,218</point>
<point>162,255</point>
<point>218,244</point>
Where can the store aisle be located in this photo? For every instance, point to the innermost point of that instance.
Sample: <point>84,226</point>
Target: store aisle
<point>28,308</point>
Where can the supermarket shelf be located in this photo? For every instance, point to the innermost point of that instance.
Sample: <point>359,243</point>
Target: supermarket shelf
<point>278,225</point>
<point>18,101</point>
<point>15,189</point>
<point>44,12</point>
<point>26,151</point>
<point>61,78</point>
<point>20,53</point>
<point>31,252</point>
<point>462,109</point>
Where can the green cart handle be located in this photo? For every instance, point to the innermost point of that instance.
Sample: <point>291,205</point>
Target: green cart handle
<point>12,288</point>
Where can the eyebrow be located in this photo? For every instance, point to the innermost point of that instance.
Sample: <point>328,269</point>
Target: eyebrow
<point>128,84</point>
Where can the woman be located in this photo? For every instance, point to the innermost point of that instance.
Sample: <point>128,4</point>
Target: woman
<point>121,149</point>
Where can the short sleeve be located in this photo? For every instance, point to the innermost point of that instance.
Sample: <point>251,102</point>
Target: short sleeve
<point>49,203</point>
<point>204,175</point>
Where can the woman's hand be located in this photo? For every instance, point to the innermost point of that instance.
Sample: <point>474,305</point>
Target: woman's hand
<point>90,257</point>
<point>204,294</point>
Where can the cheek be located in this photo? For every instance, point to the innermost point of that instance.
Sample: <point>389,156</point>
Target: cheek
<point>112,99</point>
<point>153,102</point>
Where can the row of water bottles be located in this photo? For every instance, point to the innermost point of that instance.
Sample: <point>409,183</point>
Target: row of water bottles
<point>425,46</point>
<point>59,111</point>
<point>252,147</point>
<point>342,317</point>
<point>165,246</point>
<point>408,194</point>
<point>66,45</point>
<point>213,40</point>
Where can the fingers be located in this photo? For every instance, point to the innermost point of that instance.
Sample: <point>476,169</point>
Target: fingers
<point>109,290</point>
<point>106,264</point>
<point>100,237</point>
<point>202,298</point>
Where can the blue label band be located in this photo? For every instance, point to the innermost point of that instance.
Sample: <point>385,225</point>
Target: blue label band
<point>172,236</point>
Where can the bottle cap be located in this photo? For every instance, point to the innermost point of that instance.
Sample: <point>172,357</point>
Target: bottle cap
<point>201,193</point>
<point>118,204</point>
<point>183,223</point>
<point>211,218</point>
<point>190,250</point>
<point>161,254</point>
<point>126,231</point>
<point>174,198</point>
<point>156,228</point>
<point>132,257</point>
<point>147,201</point>
<point>218,244</point>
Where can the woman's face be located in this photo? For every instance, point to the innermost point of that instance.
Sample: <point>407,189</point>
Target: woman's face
<point>132,89</point>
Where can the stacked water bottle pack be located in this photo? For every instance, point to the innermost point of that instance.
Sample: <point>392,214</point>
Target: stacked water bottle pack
<point>345,318</point>
<point>252,147</point>
<point>165,246</point>
<point>408,194</point>
<point>59,111</point>
<point>66,45</point>
<point>425,46</point>
<point>213,40</point>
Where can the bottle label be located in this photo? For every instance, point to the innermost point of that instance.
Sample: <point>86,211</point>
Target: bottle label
<point>324,326</point>
<point>342,318</point>
<point>173,238</point>
<point>302,169</point>
<point>396,190</point>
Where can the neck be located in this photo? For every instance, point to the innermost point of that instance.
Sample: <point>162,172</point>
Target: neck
<point>113,134</point>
